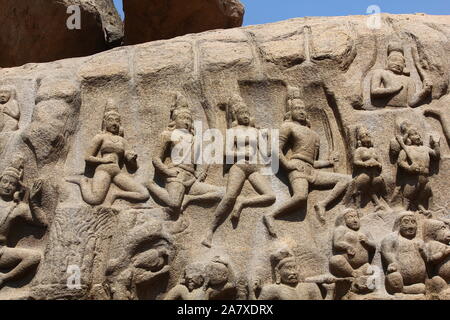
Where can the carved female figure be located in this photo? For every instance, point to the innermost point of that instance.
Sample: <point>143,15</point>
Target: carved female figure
<point>244,169</point>
<point>9,110</point>
<point>108,152</point>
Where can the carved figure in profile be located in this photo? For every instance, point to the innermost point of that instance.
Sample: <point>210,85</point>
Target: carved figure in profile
<point>436,235</point>
<point>191,286</point>
<point>413,161</point>
<point>220,280</point>
<point>288,285</point>
<point>16,202</point>
<point>404,257</point>
<point>393,86</point>
<point>302,164</point>
<point>183,177</point>
<point>9,110</point>
<point>367,169</point>
<point>108,153</point>
<point>244,169</point>
<point>353,251</point>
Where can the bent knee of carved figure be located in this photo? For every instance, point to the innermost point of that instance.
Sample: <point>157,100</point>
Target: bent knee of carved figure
<point>394,283</point>
<point>340,267</point>
<point>363,180</point>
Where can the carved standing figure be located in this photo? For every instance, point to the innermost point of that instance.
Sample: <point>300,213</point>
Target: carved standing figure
<point>288,285</point>
<point>15,205</point>
<point>353,249</point>
<point>393,87</point>
<point>404,257</point>
<point>244,169</point>
<point>297,136</point>
<point>367,169</point>
<point>414,160</point>
<point>108,152</point>
<point>436,235</point>
<point>9,110</point>
<point>184,178</point>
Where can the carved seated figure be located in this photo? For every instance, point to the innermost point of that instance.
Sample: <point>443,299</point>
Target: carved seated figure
<point>108,152</point>
<point>19,261</point>
<point>191,286</point>
<point>220,282</point>
<point>404,257</point>
<point>414,160</point>
<point>393,87</point>
<point>436,235</point>
<point>367,169</point>
<point>9,110</point>
<point>287,281</point>
<point>353,249</point>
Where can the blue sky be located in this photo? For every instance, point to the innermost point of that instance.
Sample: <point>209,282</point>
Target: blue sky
<point>265,11</point>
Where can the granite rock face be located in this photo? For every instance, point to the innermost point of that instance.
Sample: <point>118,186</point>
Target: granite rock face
<point>35,30</point>
<point>359,207</point>
<point>151,20</point>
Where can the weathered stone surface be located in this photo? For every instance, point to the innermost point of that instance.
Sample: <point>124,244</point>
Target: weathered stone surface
<point>359,206</point>
<point>149,20</point>
<point>36,30</point>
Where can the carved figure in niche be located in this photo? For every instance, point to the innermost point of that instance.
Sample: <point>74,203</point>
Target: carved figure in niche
<point>367,169</point>
<point>146,260</point>
<point>243,169</point>
<point>353,249</point>
<point>184,179</point>
<point>413,163</point>
<point>108,153</point>
<point>297,137</point>
<point>9,110</point>
<point>436,235</point>
<point>288,285</point>
<point>404,257</point>
<point>393,87</point>
<point>18,203</point>
<point>192,285</point>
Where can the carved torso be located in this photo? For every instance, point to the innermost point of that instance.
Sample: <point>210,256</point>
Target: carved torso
<point>351,237</point>
<point>304,141</point>
<point>303,291</point>
<point>442,266</point>
<point>390,80</point>
<point>409,260</point>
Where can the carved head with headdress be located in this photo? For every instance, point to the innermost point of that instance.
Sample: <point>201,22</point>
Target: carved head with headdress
<point>112,119</point>
<point>349,218</point>
<point>406,224</point>
<point>285,267</point>
<point>410,133</point>
<point>396,58</point>
<point>363,138</point>
<point>193,276</point>
<point>11,179</point>
<point>240,112</point>
<point>296,109</point>
<point>180,114</point>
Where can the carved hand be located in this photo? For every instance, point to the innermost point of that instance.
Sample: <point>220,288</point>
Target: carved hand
<point>392,268</point>
<point>427,85</point>
<point>131,156</point>
<point>351,252</point>
<point>363,238</point>
<point>36,190</point>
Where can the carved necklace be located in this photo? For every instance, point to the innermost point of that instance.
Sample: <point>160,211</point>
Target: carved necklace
<point>115,139</point>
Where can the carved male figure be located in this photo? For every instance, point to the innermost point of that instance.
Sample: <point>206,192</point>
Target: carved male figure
<point>353,249</point>
<point>192,285</point>
<point>108,153</point>
<point>287,281</point>
<point>436,235</point>
<point>367,169</point>
<point>184,179</point>
<point>393,86</point>
<point>13,207</point>
<point>220,282</point>
<point>404,257</point>
<point>413,162</point>
<point>302,165</point>
<point>244,169</point>
<point>9,110</point>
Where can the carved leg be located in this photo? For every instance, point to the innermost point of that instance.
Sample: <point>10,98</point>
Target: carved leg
<point>325,179</point>
<point>394,283</point>
<point>445,123</point>
<point>94,190</point>
<point>265,199</point>
<point>300,189</point>
<point>340,267</point>
<point>172,196</point>
<point>21,261</point>
<point>235,183</point>
<point>202,192</point>
<point>131,189</point>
